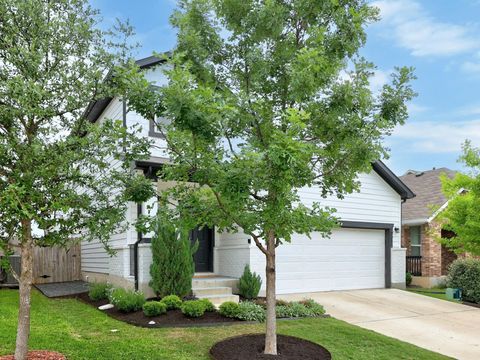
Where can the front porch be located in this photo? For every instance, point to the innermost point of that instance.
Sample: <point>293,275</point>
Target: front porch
<point>217,289</point>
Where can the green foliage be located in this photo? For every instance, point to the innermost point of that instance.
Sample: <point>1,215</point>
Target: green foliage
<point>315,308</point>
<point>138,188</point>
<point>209,307</point>
<point>267,110</point>
<point>172,302</point>
<point>229,309</point>
<point>465,274</point>
<point>154,308</point>
<point>193,308</point>
<point>99,291</point>
<point>249,284</point>
<point>127,300</point>
<point>408,278</point>
<point>172,265</point>
<point>462,215</point>
<point>297,309</point>
<point>249,311</point>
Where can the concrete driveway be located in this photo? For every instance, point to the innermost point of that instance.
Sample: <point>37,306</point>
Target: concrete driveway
<point>438,325</point>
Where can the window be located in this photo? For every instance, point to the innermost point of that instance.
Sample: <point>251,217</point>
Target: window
<point>154,130</point>
<point>415,241</point>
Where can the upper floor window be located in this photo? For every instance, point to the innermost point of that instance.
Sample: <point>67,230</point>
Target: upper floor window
<point>156,127</point>
<point>415,241</point>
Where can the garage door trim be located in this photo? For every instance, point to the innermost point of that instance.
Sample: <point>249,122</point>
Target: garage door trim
<point>388,228</point>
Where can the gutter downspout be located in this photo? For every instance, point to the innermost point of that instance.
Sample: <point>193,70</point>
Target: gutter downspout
<point>135,247</point>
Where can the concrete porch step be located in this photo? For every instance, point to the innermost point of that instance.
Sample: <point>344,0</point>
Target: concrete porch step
<point>218,290</point>
<point>217,281</point>
<point>218,300</point>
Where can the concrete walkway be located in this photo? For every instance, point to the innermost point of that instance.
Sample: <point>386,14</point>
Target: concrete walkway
<point>438,325</point>
<point>63,288</point>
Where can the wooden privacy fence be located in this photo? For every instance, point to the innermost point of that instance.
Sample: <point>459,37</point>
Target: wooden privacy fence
<point>55,264</point>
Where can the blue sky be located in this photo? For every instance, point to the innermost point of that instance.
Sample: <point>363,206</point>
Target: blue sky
<point>440,38</point>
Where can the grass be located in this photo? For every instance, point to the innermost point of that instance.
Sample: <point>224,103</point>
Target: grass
<point>82,332</point>
<point>433,292</point>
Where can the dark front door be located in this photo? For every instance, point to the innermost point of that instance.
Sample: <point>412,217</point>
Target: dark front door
<point>204,256</point>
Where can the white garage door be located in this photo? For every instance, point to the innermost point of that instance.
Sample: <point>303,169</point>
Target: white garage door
<point>349,259</point>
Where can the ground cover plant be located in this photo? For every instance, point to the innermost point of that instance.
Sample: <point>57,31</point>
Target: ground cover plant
<point>82,332</point>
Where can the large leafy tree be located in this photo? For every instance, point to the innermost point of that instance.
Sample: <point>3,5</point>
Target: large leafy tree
<point>55,175</point>
<point>462,215</point>
<point>264,98</point>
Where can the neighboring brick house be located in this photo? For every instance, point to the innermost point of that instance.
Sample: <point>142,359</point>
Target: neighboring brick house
<point>427,259</point>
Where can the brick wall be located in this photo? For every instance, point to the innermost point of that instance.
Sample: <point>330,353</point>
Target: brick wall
<point>431,251</point>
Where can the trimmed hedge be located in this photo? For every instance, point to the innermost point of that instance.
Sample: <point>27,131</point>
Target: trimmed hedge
<point>229,309</point>
<point>172,302</point>
<point>193,308</point>
<point>154,308</point>
<point>127,300</point>
<point>209,307</point>
<point>465,274</point>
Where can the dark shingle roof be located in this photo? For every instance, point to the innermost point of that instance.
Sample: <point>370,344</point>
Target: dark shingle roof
<point>428,190</point>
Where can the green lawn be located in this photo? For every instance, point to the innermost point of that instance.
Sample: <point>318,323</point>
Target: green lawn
<point>433,292</point>
<point>81,332</point>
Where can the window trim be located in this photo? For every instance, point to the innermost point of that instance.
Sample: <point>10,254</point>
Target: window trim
<point>419,245</point>
<point>152,132</point>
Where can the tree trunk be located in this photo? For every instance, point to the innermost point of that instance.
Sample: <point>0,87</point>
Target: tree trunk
<point>271,333</point>
<point>25,285</point>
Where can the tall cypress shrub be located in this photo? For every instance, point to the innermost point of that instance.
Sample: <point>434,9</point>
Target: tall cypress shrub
<point>172,265</point>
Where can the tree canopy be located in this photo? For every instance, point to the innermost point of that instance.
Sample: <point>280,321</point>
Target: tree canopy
<point>264,98</point>
<point>62,178</point>
<point>462,215</point>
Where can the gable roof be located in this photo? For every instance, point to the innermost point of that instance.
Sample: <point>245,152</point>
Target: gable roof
<point>428,190</point>
<point>96,108</point>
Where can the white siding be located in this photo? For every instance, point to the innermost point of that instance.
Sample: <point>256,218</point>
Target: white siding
<point>375,202</point>
<point>231,253</point>
<point>94,256</point>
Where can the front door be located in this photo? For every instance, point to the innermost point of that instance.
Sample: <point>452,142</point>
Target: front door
<point>204,256</point>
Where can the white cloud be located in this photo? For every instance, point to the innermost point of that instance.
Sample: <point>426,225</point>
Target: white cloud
<point>379,78</point>
<point>414,29</point>
<point>471,67</point>
<point>416,108</point>
<point>436,137</point>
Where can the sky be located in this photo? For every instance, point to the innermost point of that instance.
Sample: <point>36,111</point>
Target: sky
<point>439,38</point>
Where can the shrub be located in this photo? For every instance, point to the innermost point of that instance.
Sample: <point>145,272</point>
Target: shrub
<point>193,308</point>
<point>465,274</point>
<point>249,311</point>
<point>209,307</point>
<point>154,308</point>
<point>127,300</point>
<point>229,309</point>
<point>293,310</point>
<point>249,284</point>
<point>99,291</point>
<point>408,279</point>
<point>172,302</point>
<point>315,308</point>
<point>172,265</point>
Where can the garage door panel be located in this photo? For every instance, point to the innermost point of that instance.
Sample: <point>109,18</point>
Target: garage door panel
<point>349,259</point>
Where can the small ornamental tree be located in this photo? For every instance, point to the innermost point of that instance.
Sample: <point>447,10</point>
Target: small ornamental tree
<point>262,103</point>
<point>57,185</point>
<point>462,215</point>
<point>172,265</point>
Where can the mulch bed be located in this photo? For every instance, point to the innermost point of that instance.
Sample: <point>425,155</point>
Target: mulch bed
<point>39,355</point>
<point>251,347</point>
<point>173,318</point>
